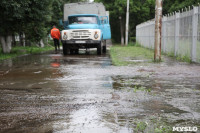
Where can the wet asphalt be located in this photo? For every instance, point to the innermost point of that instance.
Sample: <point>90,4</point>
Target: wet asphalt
<point>85,93</point>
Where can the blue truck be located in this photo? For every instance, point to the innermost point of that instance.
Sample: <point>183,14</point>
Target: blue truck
<point>86,25</point>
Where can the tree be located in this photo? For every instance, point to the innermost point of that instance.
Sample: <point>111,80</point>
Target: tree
<point>26,16</point>
<point>11,14</point>
<point>36,19</point>
<point>175,5</point>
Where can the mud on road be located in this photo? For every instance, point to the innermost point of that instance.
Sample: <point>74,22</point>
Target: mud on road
<point>85,93</point>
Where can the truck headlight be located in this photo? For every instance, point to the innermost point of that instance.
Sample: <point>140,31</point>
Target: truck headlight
<point>96,35</point>
<point>65,36</point>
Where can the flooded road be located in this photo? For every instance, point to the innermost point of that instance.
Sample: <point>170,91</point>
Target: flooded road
<point>52,93</point>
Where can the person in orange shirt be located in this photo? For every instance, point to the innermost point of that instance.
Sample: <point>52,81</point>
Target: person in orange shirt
<point>55,34</point>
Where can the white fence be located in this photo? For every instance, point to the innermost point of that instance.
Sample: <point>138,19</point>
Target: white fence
<point>180,34</point>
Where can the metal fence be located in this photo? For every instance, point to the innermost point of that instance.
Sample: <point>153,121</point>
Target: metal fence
<point>180,34</point>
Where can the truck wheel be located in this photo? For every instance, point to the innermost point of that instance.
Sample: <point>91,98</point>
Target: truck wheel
<point>65,49</point>
<point>76,51</point>
<point>99,48</point>
<point>71,51</point>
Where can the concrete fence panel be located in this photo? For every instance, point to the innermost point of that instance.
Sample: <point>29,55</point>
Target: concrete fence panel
<point>180,34</point>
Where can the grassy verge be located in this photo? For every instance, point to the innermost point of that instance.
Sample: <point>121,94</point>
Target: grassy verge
<point>126,55</point>
<point>184,58</point>
<point>179,57</point>
<point>152,125</point>
<point>17,51</point>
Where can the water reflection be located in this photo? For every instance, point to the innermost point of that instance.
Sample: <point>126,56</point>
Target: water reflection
<point>55,64</point>
<point>84,121</point>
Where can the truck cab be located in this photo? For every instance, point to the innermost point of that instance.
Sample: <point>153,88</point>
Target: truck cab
<point>85,31</point>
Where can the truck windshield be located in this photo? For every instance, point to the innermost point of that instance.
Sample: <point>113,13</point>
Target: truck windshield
<point>83,20</point>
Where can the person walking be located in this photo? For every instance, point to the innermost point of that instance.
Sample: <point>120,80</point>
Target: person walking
<point>55,34</point>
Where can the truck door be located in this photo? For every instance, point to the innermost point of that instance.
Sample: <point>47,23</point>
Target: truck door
<point>105,27</point>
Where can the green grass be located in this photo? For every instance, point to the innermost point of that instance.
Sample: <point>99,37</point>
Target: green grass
<point>141,126</point>
<point>152,125</point>
<point>19,50</point>
<point>122,55</point>
<point>184,58</point>
<point>141,88</point>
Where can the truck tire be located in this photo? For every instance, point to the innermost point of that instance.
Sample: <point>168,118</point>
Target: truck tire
<point>99,48</point>
<point>76,51</point>
<point>65,49</point>
<point>71,51</point>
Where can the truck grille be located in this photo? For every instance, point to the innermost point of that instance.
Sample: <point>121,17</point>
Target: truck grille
<point>80,34</point>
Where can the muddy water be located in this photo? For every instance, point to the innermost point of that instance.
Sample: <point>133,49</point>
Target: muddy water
<point>85,93</point>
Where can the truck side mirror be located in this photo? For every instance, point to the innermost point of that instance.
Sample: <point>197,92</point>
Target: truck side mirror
<point>61,22</point>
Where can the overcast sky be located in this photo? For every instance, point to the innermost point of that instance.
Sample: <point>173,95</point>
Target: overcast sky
<point>91,0</point>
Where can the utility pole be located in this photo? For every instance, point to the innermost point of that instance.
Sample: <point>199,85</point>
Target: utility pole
<point>158,28</point>
<point>121,30</point>
<point>127,22</point>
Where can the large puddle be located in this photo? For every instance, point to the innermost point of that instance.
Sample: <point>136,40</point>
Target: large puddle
<point>85,93</point>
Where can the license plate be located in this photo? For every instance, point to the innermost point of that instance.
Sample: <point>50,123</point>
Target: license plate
<point>79,41</point>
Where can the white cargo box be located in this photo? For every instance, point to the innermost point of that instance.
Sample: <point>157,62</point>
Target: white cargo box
<point>84,8</point>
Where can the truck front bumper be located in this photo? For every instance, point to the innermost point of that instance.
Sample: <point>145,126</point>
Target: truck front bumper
<point>74,44</point>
